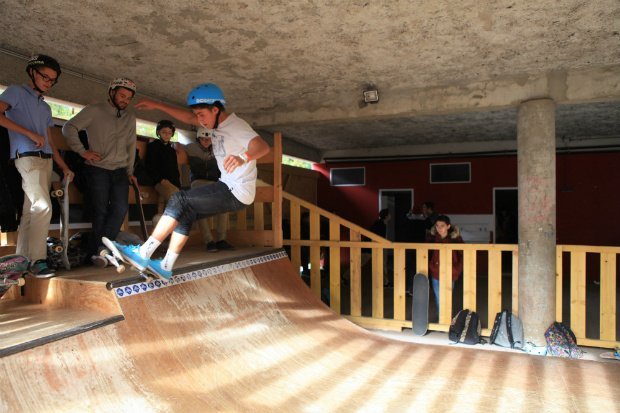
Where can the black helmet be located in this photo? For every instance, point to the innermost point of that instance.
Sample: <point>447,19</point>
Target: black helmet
<point>43,60</point>
<point>165,124</point>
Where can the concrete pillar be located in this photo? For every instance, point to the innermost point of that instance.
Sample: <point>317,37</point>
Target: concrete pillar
<point>537,212</point>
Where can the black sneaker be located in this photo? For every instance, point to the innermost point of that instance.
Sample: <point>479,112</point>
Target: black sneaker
<point>40,269</point>
<point>223,245</point>
<point>212,247</point>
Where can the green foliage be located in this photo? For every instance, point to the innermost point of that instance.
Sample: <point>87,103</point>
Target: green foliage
<point>60,111</point>
<point>300,163</point>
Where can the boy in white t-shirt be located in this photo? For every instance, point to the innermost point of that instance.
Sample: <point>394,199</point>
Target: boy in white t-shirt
<point>236,146</point>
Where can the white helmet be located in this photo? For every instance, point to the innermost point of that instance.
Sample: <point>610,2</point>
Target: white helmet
<point>123,82</point>
<point>203,132</point>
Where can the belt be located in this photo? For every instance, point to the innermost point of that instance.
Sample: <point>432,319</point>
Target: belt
<point>39,154</point>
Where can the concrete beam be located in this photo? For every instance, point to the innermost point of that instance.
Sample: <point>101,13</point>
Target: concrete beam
<point>564,87</point>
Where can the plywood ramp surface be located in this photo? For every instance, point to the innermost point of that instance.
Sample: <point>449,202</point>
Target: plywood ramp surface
<point>255,340</point>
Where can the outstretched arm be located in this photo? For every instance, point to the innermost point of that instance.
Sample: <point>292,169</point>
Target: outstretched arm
<point>184,115</point>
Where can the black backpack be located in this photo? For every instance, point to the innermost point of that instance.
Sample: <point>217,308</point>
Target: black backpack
<point>465,328</point>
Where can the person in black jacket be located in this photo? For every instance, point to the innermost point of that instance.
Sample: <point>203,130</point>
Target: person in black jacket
<point>161,161</point>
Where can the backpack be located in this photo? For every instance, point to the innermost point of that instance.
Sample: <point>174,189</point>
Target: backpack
<point>465,328</point>
<point>507,330</point>
<point>561,341</point>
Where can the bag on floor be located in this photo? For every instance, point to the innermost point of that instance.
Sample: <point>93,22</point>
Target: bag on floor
<point>465,328</point>
<point>507,331</point>
<point>561,342</point>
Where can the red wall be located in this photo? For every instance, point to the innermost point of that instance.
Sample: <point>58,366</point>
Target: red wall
<point>588,196</point>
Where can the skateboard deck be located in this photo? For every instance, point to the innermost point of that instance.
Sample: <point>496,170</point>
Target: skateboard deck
<point>419,304</point>
<point>614,355</point>
<point>62,196</point>
<point>143,275</point>
<point>138,196</point>
<point>12,271</point>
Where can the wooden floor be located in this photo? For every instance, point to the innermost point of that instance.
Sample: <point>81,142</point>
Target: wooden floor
<point>246,335</point>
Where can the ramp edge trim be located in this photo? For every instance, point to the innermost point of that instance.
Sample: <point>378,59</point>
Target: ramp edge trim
<point>144,287</point>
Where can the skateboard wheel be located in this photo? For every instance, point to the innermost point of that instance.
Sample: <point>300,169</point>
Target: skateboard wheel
<point>58,248</point>
<point>104,252</point>
<point>120,269</point>
<point>21,281</point>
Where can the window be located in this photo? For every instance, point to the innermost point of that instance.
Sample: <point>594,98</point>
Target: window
<point>347,176</point>
<point>443,173</point>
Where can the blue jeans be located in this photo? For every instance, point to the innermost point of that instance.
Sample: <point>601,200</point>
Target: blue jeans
<point>201,202</point>
<point>108,191</point>
<point>435,284</point>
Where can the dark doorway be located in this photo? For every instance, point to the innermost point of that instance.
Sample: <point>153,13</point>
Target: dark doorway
<point>506,215</point>
<point>399,202</point>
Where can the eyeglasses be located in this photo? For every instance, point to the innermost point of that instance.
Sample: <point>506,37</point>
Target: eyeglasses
<point>46,78</point>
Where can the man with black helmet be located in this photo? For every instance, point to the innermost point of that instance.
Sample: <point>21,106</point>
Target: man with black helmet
<point>28,119</point>
<point>236,147</point>
<point>161,160</point>
<point>111,130</point>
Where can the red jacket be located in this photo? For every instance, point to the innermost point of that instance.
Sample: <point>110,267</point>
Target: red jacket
<point>454,237</point>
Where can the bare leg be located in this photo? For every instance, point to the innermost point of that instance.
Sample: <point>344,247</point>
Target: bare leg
<point>164,227</point>
<point>177,242</point>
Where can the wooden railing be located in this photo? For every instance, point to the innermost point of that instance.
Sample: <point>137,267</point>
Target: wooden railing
<point>341,261</point>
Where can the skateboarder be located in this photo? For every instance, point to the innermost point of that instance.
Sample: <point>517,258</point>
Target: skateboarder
<point>111,130</point>
<point>28,118</point>
<point>235,146</point>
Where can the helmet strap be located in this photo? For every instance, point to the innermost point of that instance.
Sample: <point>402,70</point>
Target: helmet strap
<point>217,118</point>
<point>118,110</point>
<point>34,82</point>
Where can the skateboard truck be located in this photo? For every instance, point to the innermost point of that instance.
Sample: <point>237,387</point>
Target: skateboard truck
<point>111,259</point>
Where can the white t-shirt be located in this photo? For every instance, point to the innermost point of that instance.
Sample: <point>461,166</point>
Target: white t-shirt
<point>232,137</point>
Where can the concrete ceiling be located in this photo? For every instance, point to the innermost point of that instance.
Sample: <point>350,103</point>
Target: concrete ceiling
<point>450,74</point>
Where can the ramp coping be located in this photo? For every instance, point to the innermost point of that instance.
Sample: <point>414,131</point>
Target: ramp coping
<point>144,287</point>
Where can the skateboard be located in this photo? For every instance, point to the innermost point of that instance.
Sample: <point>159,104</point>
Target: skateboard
<point>62,196</point>
<point>143,275</point>
<point>419,304</point>
<point>138,196</point>
<point>12,271</point>
<point>613,355</point>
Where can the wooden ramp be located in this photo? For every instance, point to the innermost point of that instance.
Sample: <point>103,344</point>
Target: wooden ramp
<point>247,336</point>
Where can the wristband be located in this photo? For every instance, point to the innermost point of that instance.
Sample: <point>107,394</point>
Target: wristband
<point>245,156</point>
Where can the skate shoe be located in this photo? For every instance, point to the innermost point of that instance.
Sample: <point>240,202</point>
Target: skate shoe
<point>131,253</point>
<point>40,269</point>
<point>155,267</point>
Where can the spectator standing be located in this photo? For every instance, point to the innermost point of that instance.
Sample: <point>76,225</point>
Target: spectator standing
<point>28,119</point>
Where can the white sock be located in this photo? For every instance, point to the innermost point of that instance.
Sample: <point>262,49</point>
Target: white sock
<point>148,248</point>
<point>168,262</point>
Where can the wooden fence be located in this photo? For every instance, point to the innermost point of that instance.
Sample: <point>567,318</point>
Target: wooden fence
<point>347,266</point>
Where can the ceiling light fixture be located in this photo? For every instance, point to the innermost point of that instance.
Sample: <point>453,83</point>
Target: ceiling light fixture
<point>371,96</point>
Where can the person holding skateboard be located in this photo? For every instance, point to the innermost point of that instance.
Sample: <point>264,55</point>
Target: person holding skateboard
<point>445,233</point>
<point>28,119</point>
<point>204,171</point>
<point>236,146</point>
<point>111,130</point>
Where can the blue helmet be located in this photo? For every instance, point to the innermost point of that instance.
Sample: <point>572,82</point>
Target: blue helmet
<point>206,93</point>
